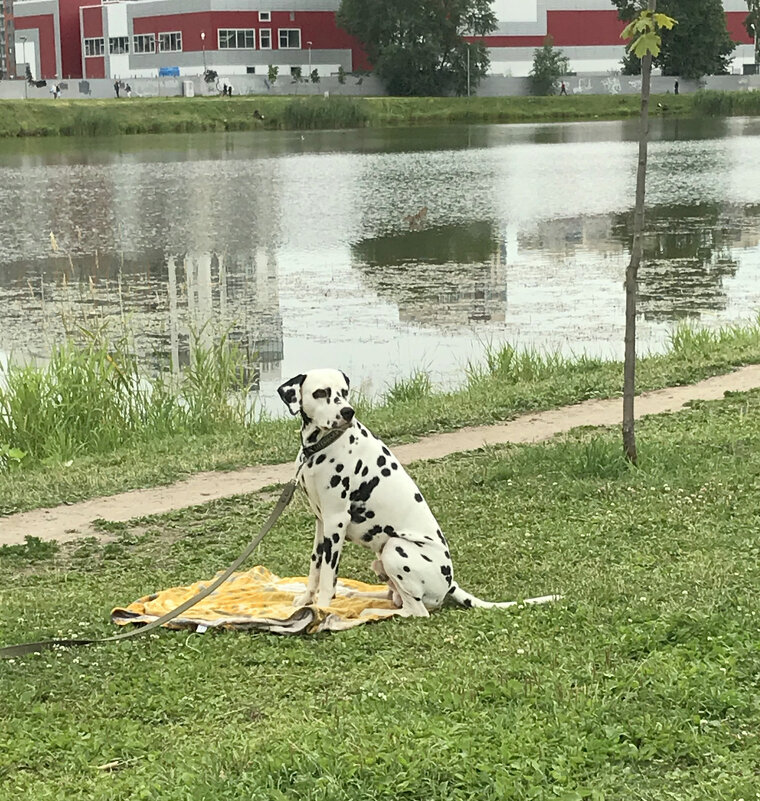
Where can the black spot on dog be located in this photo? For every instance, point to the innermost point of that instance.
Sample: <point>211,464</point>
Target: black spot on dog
<point>338,468</point>
<point>446,572</point>
<point>368,536</point>
<point>390,531</point>
<point>386,451</point>
<point>364,432</point>
<point>327,549</point>
<point>447,554</point>
<point>332,460</point>
<point>357,512</point>
<point>313,436</point>
<point>321,458</point>
<point>358,467</point>
<point>394,466</point>
<point>385,472</point>
<point>418,497</point>
<point>340,525</point>
<point>365,471</point>
<point>400,577</point>
<point>346,482</point>
<point>334,563</point>
<point>365,490</point>
<point>380,461</point>
<point>336,537</point>
<point>369,513</point>
<point>334,481</point>
<point>351,439</point>
<point>313,557</point>
<point>468,603</point>
<point>426,558</point>
<point>401,552</point>
<point>406,568</point>
<point>417,599</point>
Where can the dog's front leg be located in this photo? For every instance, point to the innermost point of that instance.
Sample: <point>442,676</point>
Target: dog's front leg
<point>332,547</point>
<point>314,569</point>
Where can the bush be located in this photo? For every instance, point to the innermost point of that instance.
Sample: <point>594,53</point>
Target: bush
<point>319,112</point>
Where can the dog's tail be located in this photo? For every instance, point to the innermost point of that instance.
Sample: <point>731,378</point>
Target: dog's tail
<point>464,598</point>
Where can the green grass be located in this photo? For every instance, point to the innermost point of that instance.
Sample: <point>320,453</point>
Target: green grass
<point>641,684</point>
<point>177,114</point>
<point>510,383</point>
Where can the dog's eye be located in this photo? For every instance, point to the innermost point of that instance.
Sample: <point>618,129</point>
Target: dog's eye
<point>320,393</point>
<point>345,393</point>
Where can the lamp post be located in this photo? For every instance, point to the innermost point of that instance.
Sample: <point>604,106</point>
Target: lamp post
<point>203,46</point>
<point>308,44</point>
<point>22,39</point>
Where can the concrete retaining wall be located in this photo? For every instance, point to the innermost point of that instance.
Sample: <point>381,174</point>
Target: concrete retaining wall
<point>492,86</point>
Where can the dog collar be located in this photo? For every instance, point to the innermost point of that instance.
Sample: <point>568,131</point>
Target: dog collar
<point>328,439</point>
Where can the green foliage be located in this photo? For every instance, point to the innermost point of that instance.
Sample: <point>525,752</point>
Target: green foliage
<point>752,25</point>
<point>419,48</point>
<point>272,72</point>
<point>644,33</point>
<point>325,112</point>
<point>93,398</point>
<point>549,64</point>
<point>699,45</point>
<point>721,104</point>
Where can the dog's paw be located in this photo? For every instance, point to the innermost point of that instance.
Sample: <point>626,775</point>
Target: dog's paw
<point>305,599</point>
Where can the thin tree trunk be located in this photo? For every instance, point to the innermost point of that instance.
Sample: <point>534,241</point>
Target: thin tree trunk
<point>631,274</point>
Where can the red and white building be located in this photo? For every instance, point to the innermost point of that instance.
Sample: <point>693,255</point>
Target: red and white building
<point>137,38</point>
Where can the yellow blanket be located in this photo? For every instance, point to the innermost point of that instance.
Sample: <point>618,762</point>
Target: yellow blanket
<point>257,599</point>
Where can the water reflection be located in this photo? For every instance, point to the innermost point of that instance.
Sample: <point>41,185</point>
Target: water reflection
<point>443,275</point>
<point>302,246</point>
<point>687,258</point>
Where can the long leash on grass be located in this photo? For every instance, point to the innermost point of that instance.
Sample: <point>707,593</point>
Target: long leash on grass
<point>12,651</point>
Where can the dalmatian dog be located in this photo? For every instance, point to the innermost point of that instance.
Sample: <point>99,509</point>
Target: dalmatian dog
<point>359,491</point>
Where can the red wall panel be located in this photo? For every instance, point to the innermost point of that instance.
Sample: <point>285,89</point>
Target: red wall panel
<point>95,67</point>
<point>92,22</point>
<point>45,25</point>
<point>735,25</point>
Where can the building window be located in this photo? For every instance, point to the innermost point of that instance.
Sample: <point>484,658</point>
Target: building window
<point>265,16</point>
<point>144,43</point>
<point>236,39</point>
<point>118,44</point>
<point>169,42</point>
<point>94,47</point>
<point>290,38</point>
<point>265,38</point>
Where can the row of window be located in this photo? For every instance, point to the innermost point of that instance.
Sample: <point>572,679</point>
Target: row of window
<point>228,39</point>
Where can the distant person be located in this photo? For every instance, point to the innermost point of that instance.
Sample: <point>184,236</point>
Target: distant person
<point>675,88</point>
<point>116,87</point>
<point>128,90</point>
<point>563,88</point>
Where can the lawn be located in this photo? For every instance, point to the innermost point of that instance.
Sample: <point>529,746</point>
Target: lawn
<point>640,684</point>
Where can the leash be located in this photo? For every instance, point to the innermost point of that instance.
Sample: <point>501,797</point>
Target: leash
<point>12,651</point>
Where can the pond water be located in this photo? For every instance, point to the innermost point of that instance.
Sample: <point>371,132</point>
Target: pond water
<point>377,251</point>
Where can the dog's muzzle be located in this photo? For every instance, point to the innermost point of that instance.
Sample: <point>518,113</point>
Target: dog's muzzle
<point>347,413</point>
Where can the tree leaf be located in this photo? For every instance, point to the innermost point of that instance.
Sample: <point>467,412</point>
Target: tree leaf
<point>648,43</point>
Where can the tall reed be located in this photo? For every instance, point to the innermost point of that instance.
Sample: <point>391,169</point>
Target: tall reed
<point>93,397</point>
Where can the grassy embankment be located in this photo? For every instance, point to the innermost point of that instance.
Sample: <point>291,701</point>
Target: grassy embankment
<point>90,424</point>
<point>164,115</point>
<point>640,684</point>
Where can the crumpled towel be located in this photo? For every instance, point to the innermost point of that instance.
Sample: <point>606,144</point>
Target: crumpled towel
<point>258,599</point>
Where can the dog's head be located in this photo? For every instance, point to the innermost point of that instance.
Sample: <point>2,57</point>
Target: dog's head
<point>321,397</point>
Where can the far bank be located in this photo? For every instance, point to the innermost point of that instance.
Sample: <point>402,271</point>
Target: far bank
<point>20,118</point>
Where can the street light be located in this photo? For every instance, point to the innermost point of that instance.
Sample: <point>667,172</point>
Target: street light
<point>308,44</point>
<point>203,45</point>
<point>22,39</point>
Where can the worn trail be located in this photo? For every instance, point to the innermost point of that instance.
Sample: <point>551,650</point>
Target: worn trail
<point>74,521</point>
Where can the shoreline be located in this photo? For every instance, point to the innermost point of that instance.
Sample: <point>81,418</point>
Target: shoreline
<point>112,117</point>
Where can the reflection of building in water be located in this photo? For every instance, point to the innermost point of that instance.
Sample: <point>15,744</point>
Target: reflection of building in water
<point>560,235</point>
<point>233,295</point>
<point>442,275</point>
<point>161,303</point>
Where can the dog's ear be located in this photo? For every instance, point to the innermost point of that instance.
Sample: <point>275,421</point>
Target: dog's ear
<point>290,392</point>
<point>348,383</point>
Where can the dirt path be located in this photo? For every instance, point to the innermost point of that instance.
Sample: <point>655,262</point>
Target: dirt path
<point>70,522</point>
